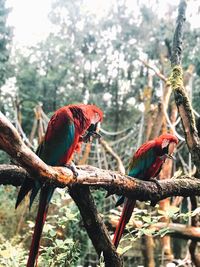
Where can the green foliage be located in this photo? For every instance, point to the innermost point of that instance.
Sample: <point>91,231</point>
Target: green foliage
<point>58,247</point>
<point>12,254</point>
<point>149,221</point>
<point>61,253</point>
<point>4,158</point>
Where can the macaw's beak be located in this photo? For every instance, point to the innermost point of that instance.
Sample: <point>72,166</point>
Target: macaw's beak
<point>92,132</point>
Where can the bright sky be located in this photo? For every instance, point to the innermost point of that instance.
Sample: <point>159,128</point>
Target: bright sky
<point>30,20</point>
<point>30,17</point>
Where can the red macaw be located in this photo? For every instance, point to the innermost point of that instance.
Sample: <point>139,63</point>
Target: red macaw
<point>67,128</point>
<point>145,165</point>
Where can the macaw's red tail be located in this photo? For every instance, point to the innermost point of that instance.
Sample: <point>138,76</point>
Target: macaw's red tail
<point>40,220</point>
<point>124,219</point>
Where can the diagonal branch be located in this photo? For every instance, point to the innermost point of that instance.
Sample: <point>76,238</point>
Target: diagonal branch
<point>157,72</point>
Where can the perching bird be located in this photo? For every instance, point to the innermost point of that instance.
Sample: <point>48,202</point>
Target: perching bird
<point>67,128</point>
<point>145,165</point>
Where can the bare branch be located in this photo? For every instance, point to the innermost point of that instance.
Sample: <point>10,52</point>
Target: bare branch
<point>157,72</point>
<point>108,149</point>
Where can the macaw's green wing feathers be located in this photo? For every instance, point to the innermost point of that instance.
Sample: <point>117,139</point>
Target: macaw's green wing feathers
<point>56,150</point>
<point>58,146</point>
<point>143,159</point>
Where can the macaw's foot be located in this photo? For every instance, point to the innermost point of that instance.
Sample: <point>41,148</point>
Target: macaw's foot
<point>154,180</point>
<point>73,168</point>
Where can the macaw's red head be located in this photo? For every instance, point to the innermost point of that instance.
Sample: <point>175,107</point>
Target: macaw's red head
<point>167,143</point>
<point>95,116</point>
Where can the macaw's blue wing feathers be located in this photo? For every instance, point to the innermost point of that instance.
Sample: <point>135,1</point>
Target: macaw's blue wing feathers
<point>59,144</point>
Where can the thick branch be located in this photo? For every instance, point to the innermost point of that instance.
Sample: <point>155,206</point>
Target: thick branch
<point>117,183</point>
<point>112,181</point>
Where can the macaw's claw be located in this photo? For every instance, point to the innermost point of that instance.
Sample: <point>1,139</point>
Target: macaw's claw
<point>73,168</point>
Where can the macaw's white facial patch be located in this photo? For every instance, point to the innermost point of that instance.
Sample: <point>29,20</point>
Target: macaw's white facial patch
<point>95,118</point>
<point>165,143</point>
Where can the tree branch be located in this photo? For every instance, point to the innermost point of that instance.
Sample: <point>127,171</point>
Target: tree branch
<point>180,95</point>
<point>110,180</point>
<point>157,72</point>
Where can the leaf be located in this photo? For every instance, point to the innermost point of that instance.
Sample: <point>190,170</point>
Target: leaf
<point>59,242</point>
<point>172,211</point>
<point>147,219</point>
<point>148,232</point>
<point>52,233</point>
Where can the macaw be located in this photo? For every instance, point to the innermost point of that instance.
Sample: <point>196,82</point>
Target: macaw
<point>145,165</point>
<point>67,129</point>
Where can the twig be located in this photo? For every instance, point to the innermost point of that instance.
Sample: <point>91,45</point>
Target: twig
<point>109,150</point>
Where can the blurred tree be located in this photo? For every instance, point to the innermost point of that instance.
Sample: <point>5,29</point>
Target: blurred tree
<point>5,41</point>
